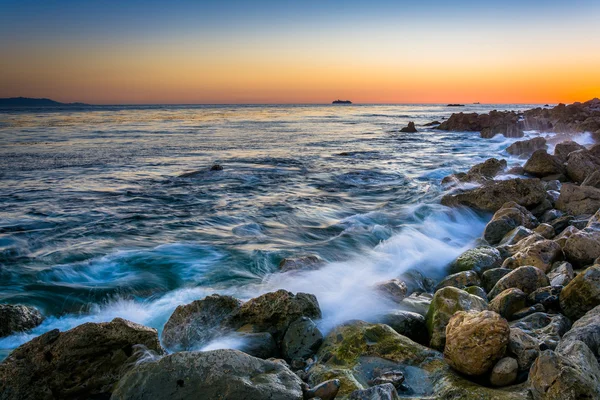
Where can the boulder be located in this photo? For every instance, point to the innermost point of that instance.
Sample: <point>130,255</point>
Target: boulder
<point>504,372</point>
<point>515,236</point>
<point>417,302</point>
<point>259,344</point>
<point>540,254</point>
<point>410,128</point>
<point>486,170</point>
<point>581,294</point>
<point>18,318</point>
<point>526,278</point>
<point>217,374</point>
<point>546,328</point>
<point>446,302</point>
<point>406,323</point>
<point>527,311</point>
<point>81,363</point>
<point>542,164</point>
<point>387,391</point>
<point>545,230</point>
<point>496,122</point>
<point>475,341</point>
<point>583,247</point>
<point>273,312</point>
<point>507,218</point>
<point>490,277</point>
<point>301,340</point>
<point>561,274</point>
<point>592,180</point>
<point>587,330</point>
<point>526,147</point>
<point>477,291</point>
<point>193,325</point>
<point>508,302</point>
<point>479,259</point>
<point>460,280</point>
<point>577,200</point>
<point>327,390</point>
<point>581,164</point>
<point>491,195</point>
<point>563,149</point>
<point>308,262</point>
<point>393,289</point>
<point>523,347</point>
<point>547,296</point>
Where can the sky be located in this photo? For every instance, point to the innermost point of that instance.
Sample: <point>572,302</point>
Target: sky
<point>192,52</point>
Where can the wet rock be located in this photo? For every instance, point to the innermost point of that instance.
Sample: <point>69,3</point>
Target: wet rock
<point>216,167</point>
<point>546,328</point>
<point>587,330</point>
<point>18,318</point>
<point>561,223</point>
<point>261,344</point>
<point>385,391</point>
<point>561,274</point>
<point>308,262</point>
<point>540,255</point>
<point>507,218</point>
<point>521,245</point>
<point>583,247</point>
<point>395,377</point>
<point>274,312</point>
<point>393,289</point>
<point>491,195</point>
<point>84,362</point>
<point>417,302</point>
<point>193,325</point>
<point>578,200</point>
<point>524,312</point>
<point>217,374</point>
<point>410,128</point>
<point>446,302</point>
<point>545,230</point>
<point>324,391</point>
<point>475,341</point>
<point>406,323</point>
<point>526,147</point>
<point>563,149</point>
<point>526,278</point>
<point>491,124</point>
<point>581,164</point>
<point>460,280</point>
<point>416,282</point>
<point>562,238</point>
<point>487,169</point>
<point>508,302</point>
<point>515,236</point>
<point>581,294</point>
<point>504,372</point>
<point>490,277</point>
<point>592,180</point>
<point>542,164</point>
<point>551,215</point>
<point>547,296</point>
<point>301,340</point>
<point>479,259</point>
<point>523,347</point>
<point>477,291</point>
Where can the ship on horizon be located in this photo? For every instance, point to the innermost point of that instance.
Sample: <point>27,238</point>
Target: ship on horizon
<point>338,101</point>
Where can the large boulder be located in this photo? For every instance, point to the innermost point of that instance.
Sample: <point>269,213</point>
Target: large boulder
<point>407,323</point>
<point>507,218</point>
<point>273,312</point>
<point>592,180</point>
<point>587,330</point>
<point>301,340</point>
<point>460,280</point>
<point>542,164</point>
<point>523,347</point>
<point>193,325</point>
<point>563,149</point>
<point>496,122</point>
<point>526,147</point>
<point>582,293</point>
<point>540,254</point>
<point>581,164</point>
<point>486,170</point>
<point>508,302</point>
<point>84,362</point>
<point>479,259</point>
<point>545,328</point>
<point>18,318</point>
<point>475,341</point>
<point>526,278</point>
<point>577,200</point>
<point>582,247</point>
<point>217,374</point>
<point>446,302</point>
<point>493,194</point>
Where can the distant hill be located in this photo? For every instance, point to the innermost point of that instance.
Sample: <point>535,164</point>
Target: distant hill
<point>29,102</point>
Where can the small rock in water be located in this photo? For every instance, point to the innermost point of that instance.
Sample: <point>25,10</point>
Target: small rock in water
<point>394,289</point>
<point>18,318</point>
<point>410,128</point>
<point>395,377</point>
<point>216,167</point>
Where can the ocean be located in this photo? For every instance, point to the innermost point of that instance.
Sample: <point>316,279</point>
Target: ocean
<point>97,222</point>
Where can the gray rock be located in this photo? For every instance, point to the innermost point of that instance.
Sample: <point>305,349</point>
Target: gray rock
<point>386,391</point>
<point>561,274</point>
<point>542,164</point>
<point>477,291</point>
<point>592,180</point>
<point>308,262</point>
<point>504,372</point>
<point>526,147</point>
<point>406,323</point>
<point>261,344</point>
<point>587,330</point>
<point>546,328</point>
<point>490,277</point>
<point>581,164</point>
<point>393,289</point>
<point>18,318</point>
<point>524,312</point>
<point>301,340</point>
<point>417,302</point>
<point>523,347</point>
<point>563,149</point>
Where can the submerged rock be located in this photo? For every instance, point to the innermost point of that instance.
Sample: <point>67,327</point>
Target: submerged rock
<point>217,374</point>
<point>386,391</point>
<point>84,362</point>
<point>308,262</point>
<point>18,318</point>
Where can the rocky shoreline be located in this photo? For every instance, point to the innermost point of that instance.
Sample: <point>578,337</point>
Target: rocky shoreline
<point>517,317</point>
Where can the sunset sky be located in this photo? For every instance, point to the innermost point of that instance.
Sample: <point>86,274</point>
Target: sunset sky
<point>109,52</point>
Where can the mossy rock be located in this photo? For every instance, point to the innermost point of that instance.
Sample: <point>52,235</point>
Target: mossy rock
<point>479,259</point>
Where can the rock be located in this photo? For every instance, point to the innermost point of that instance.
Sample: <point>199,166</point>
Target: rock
<point>527,311</point>
<point>581,294</point>
<point>216,167</point>
<point>416,281</point>
<point>496,122</point>
<point>476,291</point>
<point>551,215</point>
<point>324,391</point>
<point>526,147</point>
<point>273,312</point>
<point>526,278</point>
<point>540,254</point>
<point>581,164</point>
<point>523,347</point>
<point>565,235</point>
<point>504,372</point>
<point>545,230</point>
<point>561,274</point>
<point>546,328</point>
<point>515,236</point>
<point>547,296</point>
<point>432,123</point>
<point>507,218</point>
<point>446,302</point>
<point>84,362</point>
<point>542,164</point>
<point>508,302</point>
<point>475,341</point>
<point>492,276</point>
<point>193,325</point>
<point>577,200</point>
<point>487,169</point>
<point>18,318</point>
<point>301,340</point>
<point>261,344</point>
<point>583,247</point>
<point>491,195</point>
<point>561,223</point>
<point>410,128</point>
<point>406,323</point>
<point>395,377</point>
<point>563,149</point>
<point>557,377</point>
<point>587,330</point>
<point>460,280</point>
<point>507,250</point>
<point>592,180</point>
<point>386,391</point>
<point>417,302</point>
<point>308,262</point>
<point>217,374</point>
<point>479,259</point>
<point>393,289</point>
